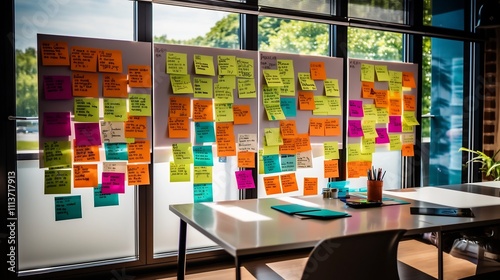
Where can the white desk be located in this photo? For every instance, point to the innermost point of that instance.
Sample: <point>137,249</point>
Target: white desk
<point>249,227</point>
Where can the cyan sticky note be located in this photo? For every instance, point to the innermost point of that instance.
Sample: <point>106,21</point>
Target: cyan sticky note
<point>68,207</point>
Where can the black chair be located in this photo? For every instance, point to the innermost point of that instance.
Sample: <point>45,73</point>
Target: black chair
<point>363,256</point>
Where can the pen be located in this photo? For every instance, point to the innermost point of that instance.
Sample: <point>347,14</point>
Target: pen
<point>382,176</point>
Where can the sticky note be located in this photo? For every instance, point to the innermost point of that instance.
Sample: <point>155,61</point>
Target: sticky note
<point>85,175</point>
<point>271,164</point>
<point>204,64</point>
<point>408,80</point>
<point>54,53</point>
<point>304,159</point>
<point>85,84</point>
<point>101,200</point>
<point>273,136</point>
<point>410,119</point>
<point>246,159</point>
<point>86,109</point>
<point>382,73</point>
<point>409,102</point>
<point>407,150</point>
<point>242,114</point>
<point>68,207</point>
<point>136,127</point>
<point>274,112</point>
<point>140,104</point>
<point>57,181</point>
<point>289,106</point>
<point>310,186</point>
<point>113,182</point>
<point>383,137</point>
<point>331,168</point>
<point>395,142</point>
<point>227,65</point>
<point>317,69</point>
<point>289,183</point>
<point>176,63</point>
<point>204,132</point>
<point>316,127</point>
<point>203,156</point>
<point>285,68</point>
<point>223,94</point>
<point>331,150</point>
<point>115,109</point>
<point>56,124</point>
<point>246,88</point>
<point>332,87</point>
<point>272,78</point>
<point>367,90</point>
<point>203,87</point>
<point>202,193</point>
<point>306,100</point>
<point>288,128</point>
<point>180,172</point>
<point>183,153</point>
<point>244,179</point>
<point>139,151</point>
<point>110,61</point>
<point>288,163</point>
<point>57,87</point>
<point>332,127</point>
<point>305,81</point>
<point>288,88</point>
<point>367,72</point>
<point>272,185</point>
<point>395,124</point>
<point>224,112</point>
<point>181,84</point>
<point>86,153</point>
<point>87,134</point>
<point>245,67</point>
<point>356,108</point>
<point>180,106</point>
<point>354,128</point>
<point>138,174</point>
<point>368,144</point>
<point>116,151</point>
<point>202,175</point>
<point>303,142</point>
<point>247,142</point>
<point>83,59</point>
<point>114,85</point>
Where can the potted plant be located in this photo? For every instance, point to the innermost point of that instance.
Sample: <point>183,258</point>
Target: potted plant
<point>489,165</point>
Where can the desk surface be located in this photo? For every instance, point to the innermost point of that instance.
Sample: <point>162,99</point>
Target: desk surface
<point>250,226</point>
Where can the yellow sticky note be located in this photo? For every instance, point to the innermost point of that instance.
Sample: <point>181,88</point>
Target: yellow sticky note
<point>368,127</point>
<point>332,87</point>
<point>115,109</point>
<point>86,109</point>
<point>367,72</point>
<point>176,63</point>
<point>273,136</point>
<point>396,81</point>
<point>227,65</point>
<point>321,106</point>
<point>246,88</point>
<point>245,68</point>
<point>181,84</point>
<point>409,118</point>
<point>223,112</point>
<point>180,172</point>
<point>270,95</point>
<point>229,81</point>
<point>369,111</point>
<point>203,87</point>
<point>183,153</point>
<point>204,65</point>
<point>368,145</point>
<point>223,94</point>
<point>395,144</point>
<point>274,112</point>
<point>272,78</point>
<point>382,115</point>
<point>271,150</point>
<point>288,88</point>
<point>140,104</point>
<point>57,153</point>
<point>353,152</point>
<point>331,150</point>
<point>202,174</point>
<point>285,68</point>
<point>335,106</point>
<point>382,73</point>
<point>305,81</point>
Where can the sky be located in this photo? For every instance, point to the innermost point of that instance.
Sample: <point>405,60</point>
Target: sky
<point>110,19</point>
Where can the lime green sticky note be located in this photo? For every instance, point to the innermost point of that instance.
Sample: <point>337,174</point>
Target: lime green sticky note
<point>368,127</point>
<point>229,81</point>
<point>406,128</point>
<point>305,81</point>
<point>396,81</point>
<point>140,104</point>
<point>354,152</point>
<point>331,150</point>
<point>273,136</point>
<point>180,172</point>
<point>181,84</point>
<point>245,68</point>
<point>115,109</point>
<point>272,78</point>
<point>227,65</point>
<point>270,95</point>
<point>204,65</point>
<point>322,108</point>
<point>203,87</point>
<point>395,144</point>
<point>57,182</point>
<point>335,106</point>
<point>183,153</point>
<point>382,73</point>
<point>365,156</point>
<point>270,150</point>
<point>86,109</point>
<point>285,68</point>
<point>409,118</point>
<point>382,115</point>
<point>57,153</point>
<point>367,72</point>
<point>261,161</point>
<point>223,94</point>
<point>246,88</point>
<point>202,174</point>
<point>370,112</point>
<point>223,112</point>
<point>288,88</point>
<point>274,112</point>
<point>332,87</point>
<point>368,145</point>
<point>176,63</point>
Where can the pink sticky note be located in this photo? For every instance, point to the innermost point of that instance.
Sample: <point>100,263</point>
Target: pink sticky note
<point>57,87</point>
<point>354,128</point>
<point>395,124</point>
<point>356,108</point>
<point>383,137</point>
<point>113,182</point>
<point>244,179</point>
<point>87,134</point>
<point>56,124</point>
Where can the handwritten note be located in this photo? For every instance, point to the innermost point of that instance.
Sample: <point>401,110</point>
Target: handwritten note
<point>136,127</point>
<point>86,109</point>
<point>138,174</point>
<point>202,175</point>
<point>310,186</point>
<point>202,193</point>
<point>244,179</point>
<point>85,175</point>
<point>56,124</point>
<point>140,105</point>
<point>101,200</point>
<point>242,114</point>
<point>110,61</point>
<point>180,172</point>
<point>204,132</point>
<point>272,185</point>
<point>57,87</point>
<point>83,59</point>
<point>113,182</point>
<point>57,182</point>
<point>54,53</point>
<point>85,84</point>
<point>116,151</point>
<point>115,109</point>
<point>68,207</point>
<point>203,156</point>
<point>87,134</point>
<point>139,151</point>
<point>289,183</point>
<point>204,65</point>
<point>203,87</point>
<point>114,85</point>
<point>176,63</point>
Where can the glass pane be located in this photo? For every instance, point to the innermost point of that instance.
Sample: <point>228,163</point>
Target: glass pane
<point>199,27</point>
<point>442,100</point>
<point>315,6</point>
<point>376,45</point>
<point>381,10</point>
<point>292,36</point>
<point>444,13</point>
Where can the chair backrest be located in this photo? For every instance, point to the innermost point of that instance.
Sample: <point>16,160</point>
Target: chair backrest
<point>370,255</point>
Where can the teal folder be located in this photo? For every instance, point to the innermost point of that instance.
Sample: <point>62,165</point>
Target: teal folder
<point>309,212</point>
<point>293,208</point>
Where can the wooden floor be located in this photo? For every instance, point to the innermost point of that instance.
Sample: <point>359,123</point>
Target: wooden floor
<point>412,254</point>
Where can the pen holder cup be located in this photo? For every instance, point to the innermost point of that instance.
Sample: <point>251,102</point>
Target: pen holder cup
<point>374,190</point>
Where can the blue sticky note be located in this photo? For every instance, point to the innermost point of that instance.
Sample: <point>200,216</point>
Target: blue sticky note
<point>101,199</point>
<point>271,164</point>
<point>204,132</point>
<point>203,193</point>
<point>203,156</point>
<point>116,151</point>
<point>342,186</point>
<point>68,207</point>
<point>288,163</point>
<point>289,106</point>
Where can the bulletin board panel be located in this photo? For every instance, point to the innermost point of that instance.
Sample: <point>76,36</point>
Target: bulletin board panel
<point>385,93</point>
<point>324,92</point>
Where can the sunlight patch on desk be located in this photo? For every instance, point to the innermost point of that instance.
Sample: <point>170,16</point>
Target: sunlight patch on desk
<point>236,212</point>
<point>447,197</point>
<point>298,201</point>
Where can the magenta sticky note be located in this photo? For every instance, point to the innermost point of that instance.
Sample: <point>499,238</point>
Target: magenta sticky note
<point>57,87</point>
<point>383,137</point>
<point>356,108</point>
<point>354,128</point>
<point>244,179</point>
<point>56,124</point>
<point>87,134</point>
<point>113,182</point>
<point>395,124</point>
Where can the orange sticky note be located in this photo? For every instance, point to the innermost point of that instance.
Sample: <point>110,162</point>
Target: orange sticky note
<point>289,183</point>
<point>85,176</point>
<point>178,127</point>
<point>318,70</point>
<point>409,80</point>
<point>288,147</point>
<point>381,99</point>
<point>395,107</point>
<point>332,127</point>
<point>316,127</point>
<point>288,129</point>
<point>407,150</point>
<point>83,59</point>
<point>409,102</point>
<point>242,114</point>
<point>310,186</point>
<point>54,53</point>
<point>179,106</point>
<point>139,76</point>
<point>226,144</point>
<point>86,153</point>
<point>353,169</point>
<point>331,168</point>
<point>272,185</point>
<point>138,174</point>
<point>306,100</point>
<point>85,84</point>
<point>246,159</point>
<point>302,143</point>
<point>110,61</point>
<point>367,90</point>
<point>139,151</point>
<point>203,110</point>
<point>114,85</point>
<point>136,127</point>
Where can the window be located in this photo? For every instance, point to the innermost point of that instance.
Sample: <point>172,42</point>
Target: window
<point>380,10</point>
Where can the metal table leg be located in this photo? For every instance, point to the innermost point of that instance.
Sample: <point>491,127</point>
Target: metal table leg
<point>181,258</point>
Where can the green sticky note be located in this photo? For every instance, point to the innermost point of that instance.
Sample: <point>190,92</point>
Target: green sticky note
<point>57,181</point>
<point>270,95</point>
<point>140,104</point>
<point>245,67</point>
<point>396,81</point>
<point>203,87</point>
<point>274,112</point>
<point>115,109</point>
<point>370,111</point>
<point>203,174</point>
<point>368,145</point>
<point>229,81</point>
<point>204,65</point>
<point>288,88</point>
<point>409,118</point>
<point>203,193</point>
<point>335,106</point>
<point>272,78</point>
<point>86,109</point>
<point>181,84</point>
<point>332,87</point>
<point>354,152</point>
<point>57,154</point>
<point>367,72</point>
<point>246,88</point>
<point>285,68</point>
<point>331,150</point>
<point>223,112</point>
<point>395,144</point>
<point>223,94</point>
<point>183,153</point>
<point>68,207</point>
<point>180,172</point>
<point>273,136</point>
<point>305,81</point>
<point>176,63</point>
<point>382,73</point>
<point>227,65</point>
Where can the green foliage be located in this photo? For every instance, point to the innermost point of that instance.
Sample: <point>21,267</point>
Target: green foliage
<point>26,83</point>
<point>489,165</point>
